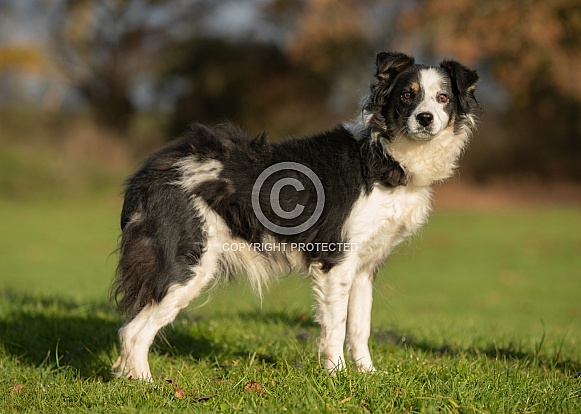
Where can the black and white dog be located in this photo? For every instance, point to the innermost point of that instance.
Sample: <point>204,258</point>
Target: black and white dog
<point>217,203</point>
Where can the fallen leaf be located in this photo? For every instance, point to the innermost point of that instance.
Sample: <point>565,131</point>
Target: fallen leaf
<point>16,389</point>
<point>303,317</point>
<point>179,392</point>
<point>253,386</point>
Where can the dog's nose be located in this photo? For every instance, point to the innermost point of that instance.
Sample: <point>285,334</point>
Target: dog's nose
<point>425,118</point>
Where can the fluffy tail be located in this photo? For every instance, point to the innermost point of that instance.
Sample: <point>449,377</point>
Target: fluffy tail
<point>162,239</point>
<point>137,269</point>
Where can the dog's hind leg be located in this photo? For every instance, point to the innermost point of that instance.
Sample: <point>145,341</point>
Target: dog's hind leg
<point>138,334</point>
<point>331,291</point>
<point>359,320</point>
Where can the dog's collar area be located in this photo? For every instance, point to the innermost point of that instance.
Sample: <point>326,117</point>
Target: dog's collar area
<point>398,180</point>
<point>387,170</point>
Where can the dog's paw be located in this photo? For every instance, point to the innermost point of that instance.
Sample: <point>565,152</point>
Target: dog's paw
<point>368,369</point>
<point>123,369</point>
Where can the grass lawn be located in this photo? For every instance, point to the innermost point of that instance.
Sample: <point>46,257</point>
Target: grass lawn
<point>481,312</point>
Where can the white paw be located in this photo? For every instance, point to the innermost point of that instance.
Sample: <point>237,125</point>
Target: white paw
<point>123,368</point>
<point>366,368</point>
<point>334,365</point>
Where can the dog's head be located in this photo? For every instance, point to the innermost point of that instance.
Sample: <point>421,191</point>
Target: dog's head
<point>420,101</point>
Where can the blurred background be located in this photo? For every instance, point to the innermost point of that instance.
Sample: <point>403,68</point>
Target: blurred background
<point>88,87</point>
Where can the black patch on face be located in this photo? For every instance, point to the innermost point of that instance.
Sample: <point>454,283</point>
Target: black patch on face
<point>389,67</point>
<point>406,94</point>
<point>463,84</point>
<point>450,107</point>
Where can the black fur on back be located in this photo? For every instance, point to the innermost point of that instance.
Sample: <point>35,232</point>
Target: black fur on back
<point>344,165</point>
<point>162,232</point>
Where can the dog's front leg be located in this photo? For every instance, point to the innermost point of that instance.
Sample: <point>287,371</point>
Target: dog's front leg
<point>331,290</point>
<point>359,320</point>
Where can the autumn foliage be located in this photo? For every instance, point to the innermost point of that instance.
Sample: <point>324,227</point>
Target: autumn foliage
<point>304,64</point>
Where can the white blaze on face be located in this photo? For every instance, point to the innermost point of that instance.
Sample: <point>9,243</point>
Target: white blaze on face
<point>431,84</point>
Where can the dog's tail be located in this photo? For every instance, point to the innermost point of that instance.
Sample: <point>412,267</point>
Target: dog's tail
<point>137,269</point>
<point>160,242</point>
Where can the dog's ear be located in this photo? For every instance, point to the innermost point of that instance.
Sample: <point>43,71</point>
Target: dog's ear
<point>389,65</point>
<point>463,84</point>
<point>463,79</point>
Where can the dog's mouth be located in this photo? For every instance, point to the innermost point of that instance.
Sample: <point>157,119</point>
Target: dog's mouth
<point>421,134</point>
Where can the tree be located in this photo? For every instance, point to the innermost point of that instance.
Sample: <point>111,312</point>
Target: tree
<point>106,47</point>
<point>518,39</point>
<point>248,82</point>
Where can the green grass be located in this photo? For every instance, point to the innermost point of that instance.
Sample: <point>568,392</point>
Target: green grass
<point>479,313</point>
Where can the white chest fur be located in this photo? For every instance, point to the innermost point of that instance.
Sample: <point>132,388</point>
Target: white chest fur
<point>382,219</point>
<point>427,162</point>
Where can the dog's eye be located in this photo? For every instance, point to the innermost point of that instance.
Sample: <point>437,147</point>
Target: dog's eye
<point>442,98</point>
<point>406,95</point>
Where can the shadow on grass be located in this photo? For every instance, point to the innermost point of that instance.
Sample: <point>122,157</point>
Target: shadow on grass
<point>234,343</point>
<point>56,333</point>
<point>511,351</point>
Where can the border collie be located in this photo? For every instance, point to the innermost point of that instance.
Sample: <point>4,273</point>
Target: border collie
<point>218,203</point>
